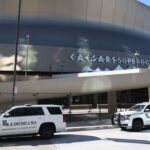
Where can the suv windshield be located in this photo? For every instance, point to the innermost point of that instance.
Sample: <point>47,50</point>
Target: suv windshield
<point>136,108</point>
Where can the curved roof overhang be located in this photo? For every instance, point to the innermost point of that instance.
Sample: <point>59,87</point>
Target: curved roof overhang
<point>64,33</point>
<point>82,83</point>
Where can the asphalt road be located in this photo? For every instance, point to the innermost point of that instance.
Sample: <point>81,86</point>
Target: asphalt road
<point>106,139</point>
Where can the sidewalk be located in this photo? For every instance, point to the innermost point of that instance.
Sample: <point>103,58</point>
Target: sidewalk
<point>83,119</point>
<point>89,125</point>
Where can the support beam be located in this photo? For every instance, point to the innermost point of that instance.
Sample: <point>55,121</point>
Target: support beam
<point>112,102</point>
<point>70,101</point>
<point>95,101</point>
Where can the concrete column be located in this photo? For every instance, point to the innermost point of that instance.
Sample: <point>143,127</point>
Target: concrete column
<point>70,101</point>
<point>95,101</point>
<point>149,93</point>
<point>112,102</point>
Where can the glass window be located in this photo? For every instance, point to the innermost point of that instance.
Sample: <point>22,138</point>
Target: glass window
<point>136,108</point>
<point>33,111</point>
<point>17,112</point>
<point>54,110</point>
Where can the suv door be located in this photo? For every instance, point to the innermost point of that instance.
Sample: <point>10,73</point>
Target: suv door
<point>22,121</point>
<point>34,115</point>
<point>11,121</point>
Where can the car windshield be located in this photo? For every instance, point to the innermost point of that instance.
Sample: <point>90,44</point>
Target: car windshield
<point>136,108</point>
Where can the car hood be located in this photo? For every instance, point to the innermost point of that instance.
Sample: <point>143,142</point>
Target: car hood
<point>130,112</point>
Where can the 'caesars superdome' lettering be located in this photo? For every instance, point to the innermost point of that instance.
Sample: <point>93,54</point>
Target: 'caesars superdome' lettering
<point>108,59</point>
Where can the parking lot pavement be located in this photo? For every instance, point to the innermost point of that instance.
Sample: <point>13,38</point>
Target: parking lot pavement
<point>107,139</point>
<point>113,139</point>
<point>35,143</point>
<point>26,143</point>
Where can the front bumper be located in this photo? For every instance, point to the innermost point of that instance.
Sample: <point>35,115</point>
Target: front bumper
<point>117,120</point>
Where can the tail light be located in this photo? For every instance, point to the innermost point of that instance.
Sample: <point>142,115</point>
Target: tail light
<point>64,118</point>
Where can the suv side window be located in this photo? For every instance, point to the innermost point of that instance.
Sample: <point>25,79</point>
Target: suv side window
<point>17,112</point>
<point>34,111</point>
<point>54,110</point>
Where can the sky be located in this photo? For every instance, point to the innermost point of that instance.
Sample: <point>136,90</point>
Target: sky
<point>147,2</point>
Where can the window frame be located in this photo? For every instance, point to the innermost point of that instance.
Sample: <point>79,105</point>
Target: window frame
<point>51,112</point>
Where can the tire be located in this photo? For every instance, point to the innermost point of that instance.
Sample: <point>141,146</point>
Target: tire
<point>123,128</point>
<point>46,131</point>
<point>137,125</point>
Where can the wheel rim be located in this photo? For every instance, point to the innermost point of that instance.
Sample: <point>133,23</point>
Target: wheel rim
<point>47,132</point>
<point>137,125</point>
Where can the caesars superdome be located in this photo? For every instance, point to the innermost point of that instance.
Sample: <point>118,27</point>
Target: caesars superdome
<point>74,52</point>
<point>75,35</point>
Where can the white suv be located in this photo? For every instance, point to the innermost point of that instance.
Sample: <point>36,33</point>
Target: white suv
<point>32,119</point>
<point>136,118</point>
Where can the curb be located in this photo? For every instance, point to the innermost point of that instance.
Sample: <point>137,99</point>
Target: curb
<point>86,128</point>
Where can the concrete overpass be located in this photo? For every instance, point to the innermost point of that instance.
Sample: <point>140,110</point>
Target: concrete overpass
<point>81,83</point>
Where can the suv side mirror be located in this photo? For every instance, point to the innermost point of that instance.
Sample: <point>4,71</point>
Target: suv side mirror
<point>147,110</point>
<point>7,115</point>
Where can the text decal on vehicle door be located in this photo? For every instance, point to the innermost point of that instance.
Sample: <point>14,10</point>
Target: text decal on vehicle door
<point>24,123</point>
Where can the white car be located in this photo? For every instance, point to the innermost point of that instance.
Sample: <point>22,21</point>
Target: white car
<point>31,120</point>
<point>136,118</point>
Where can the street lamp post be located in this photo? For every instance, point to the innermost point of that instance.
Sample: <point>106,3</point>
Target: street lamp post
<point>16,54</point>
<point>136,55</point>
<point>27,52</point>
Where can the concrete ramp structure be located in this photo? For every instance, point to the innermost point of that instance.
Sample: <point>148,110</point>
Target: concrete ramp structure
<point>81,83</point>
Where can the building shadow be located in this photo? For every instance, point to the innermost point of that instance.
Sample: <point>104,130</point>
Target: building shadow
<point>73,138</point>
<point>37,141</point>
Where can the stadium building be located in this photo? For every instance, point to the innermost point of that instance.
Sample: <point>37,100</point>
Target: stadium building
<point>74,52</point>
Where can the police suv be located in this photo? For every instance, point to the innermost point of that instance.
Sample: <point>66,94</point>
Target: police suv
<point>136,118</point>
<point>44,120</point>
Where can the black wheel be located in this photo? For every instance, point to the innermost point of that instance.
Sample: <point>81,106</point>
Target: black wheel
<point>46,131</point>
<point>137,125</point>
<point>123,128</point>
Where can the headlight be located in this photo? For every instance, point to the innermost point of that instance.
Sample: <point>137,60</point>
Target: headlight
<point>125,117</point>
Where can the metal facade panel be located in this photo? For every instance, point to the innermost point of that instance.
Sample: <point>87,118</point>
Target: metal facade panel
<point>94,9</point>
<point>108,10</point>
